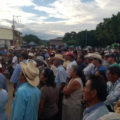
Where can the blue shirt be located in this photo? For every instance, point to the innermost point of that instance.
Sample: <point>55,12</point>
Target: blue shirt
<point>26,103</point>
<point>113,93</point>
<point>95,112</point>
<point>3,83</point>
<point>3,102</point>
<point>16,75</point>
<point>100,68</point>
<point>61,75</point>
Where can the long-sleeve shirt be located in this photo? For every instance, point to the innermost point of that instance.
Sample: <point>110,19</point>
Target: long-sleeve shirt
<point>61,75</point>
<point>113,93</point>
<point>16,74</point>
<point>26,103</point>
<point>3,82</point>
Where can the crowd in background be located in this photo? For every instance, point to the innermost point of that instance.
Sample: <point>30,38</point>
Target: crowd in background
<point>61,84</point>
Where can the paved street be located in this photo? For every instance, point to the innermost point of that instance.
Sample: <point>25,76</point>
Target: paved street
<point>10,92</point>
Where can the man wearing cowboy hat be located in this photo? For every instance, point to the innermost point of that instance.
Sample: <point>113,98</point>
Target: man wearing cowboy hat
<point>26,102</point>
<point>97,61</point>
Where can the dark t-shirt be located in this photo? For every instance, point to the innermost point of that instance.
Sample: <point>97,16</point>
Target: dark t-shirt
<point>49,94</point>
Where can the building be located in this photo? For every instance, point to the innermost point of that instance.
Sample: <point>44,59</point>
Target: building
<point>56,42</point>
<point>9,38</point>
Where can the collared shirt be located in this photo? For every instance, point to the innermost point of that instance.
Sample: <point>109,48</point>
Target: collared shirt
<point>26,103</point>
<point>3,102</point>
<point>16,74</point>
<point>100,68</point>
<point>61,75</point>
<point>113,93</point>
<point>15,62</point>
<point>95,112</point>
<point>3,81</point>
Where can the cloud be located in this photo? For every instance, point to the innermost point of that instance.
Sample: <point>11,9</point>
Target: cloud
<point>67,15</point>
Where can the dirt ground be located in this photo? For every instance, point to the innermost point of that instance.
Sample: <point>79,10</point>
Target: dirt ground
<point>10,93</point>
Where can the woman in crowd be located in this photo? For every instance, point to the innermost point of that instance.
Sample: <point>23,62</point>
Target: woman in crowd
<point>3,102</point>
<point>48,109</point>
<point>72,107</point>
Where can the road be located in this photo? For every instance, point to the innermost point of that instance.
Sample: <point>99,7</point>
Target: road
<point>10,93</point>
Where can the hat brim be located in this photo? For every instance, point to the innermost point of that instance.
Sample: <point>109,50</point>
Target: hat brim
<point>34,82</point>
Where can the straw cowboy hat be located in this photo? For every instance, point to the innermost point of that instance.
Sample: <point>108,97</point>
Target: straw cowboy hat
<point>30,54</point>
<point>59,56</point>
<point>31,72</point>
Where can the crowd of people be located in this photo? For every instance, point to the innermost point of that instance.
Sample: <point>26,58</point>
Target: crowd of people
<point>61,84</point>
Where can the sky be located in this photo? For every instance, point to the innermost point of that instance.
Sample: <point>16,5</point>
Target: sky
<point>53,18</point>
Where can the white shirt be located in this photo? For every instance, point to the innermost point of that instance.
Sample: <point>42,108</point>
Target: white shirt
<point>14,61</point>
<point>88,70</point>
<point>69,67</point>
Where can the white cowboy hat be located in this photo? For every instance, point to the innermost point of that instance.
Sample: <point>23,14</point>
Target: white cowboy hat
<point>96,56</point>
<point>30,54</point>
<point>31,72</point>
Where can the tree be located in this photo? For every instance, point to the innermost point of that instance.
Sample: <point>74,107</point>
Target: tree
<point>31,38</point>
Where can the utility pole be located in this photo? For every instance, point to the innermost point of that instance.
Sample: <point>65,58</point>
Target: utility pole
<point>13,28</point>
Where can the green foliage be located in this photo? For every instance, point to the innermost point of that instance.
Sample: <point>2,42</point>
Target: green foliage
<point>106,33</point>
<point>31,38</point>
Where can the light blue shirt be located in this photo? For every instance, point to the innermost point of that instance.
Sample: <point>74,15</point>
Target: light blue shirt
<point>61,75</point>
<point>95,112</point>
<point>3,102</point>
<point>3,81</point>
<point>16,75</point>
<point>26,103</point>
<point>113,93</point>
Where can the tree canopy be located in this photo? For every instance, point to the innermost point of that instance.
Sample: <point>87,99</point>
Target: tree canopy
<point>31,38</point>
<point>106,33</point>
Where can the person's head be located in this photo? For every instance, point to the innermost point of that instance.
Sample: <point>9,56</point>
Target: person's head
<point>30,55</point>
<point>80,59</point>
<point>23,56</point>
<point>95,90</point>
<point>111,58</point>
<point>97,62</point>
<point>77,72</point>
<point>57,62</point>
<point>30,73</point>
<point>113,73</point>
<point>70,56</point>
<point>97,59</point>
<point>47,76</point>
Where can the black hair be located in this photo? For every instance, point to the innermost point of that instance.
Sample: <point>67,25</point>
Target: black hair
<point>114,70</point>
<point>79,72</point>
<point>99,85</point>
<point>24,55</point>
<point>102,73</point>
<point>50,81</point>
<point>81,57</point>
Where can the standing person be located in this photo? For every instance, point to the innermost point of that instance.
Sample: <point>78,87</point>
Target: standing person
<point>111,58</point>
<point>3,80</point>
<point>80,61</point>
<point>97,61</point>
<point>14,60</point>
<point>60,80</point>
<point>94,94</point>
<point>72,101</point>
<point>16,74</point>
<point>26,102</point>
<point>48,109</point>
<point>90,66</point>
<point>72,62</point>
<point>3,102</point>
<point>113,75</point>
